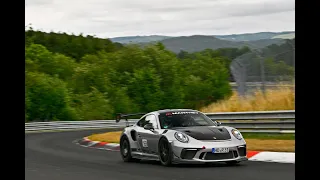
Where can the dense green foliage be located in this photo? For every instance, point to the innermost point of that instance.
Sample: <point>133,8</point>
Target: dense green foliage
<point>278,62</point>
<point>223,55</point>
<point>72,77</point>
<point>70,45</point>
<point>77,78</point>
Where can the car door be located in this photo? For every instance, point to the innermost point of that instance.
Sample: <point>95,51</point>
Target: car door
<point>139,130</point>
<point>148,139</point>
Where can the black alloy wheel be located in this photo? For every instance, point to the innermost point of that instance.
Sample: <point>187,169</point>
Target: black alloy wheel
<point>125,149</point>
<point>165,153</point>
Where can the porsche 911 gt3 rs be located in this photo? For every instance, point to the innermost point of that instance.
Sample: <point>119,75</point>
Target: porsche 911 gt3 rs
<point>180,135</point>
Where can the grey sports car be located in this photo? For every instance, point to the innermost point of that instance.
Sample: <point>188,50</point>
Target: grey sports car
<point>180,135</point>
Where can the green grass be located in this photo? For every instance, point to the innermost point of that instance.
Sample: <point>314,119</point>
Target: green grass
<point>268,136</point>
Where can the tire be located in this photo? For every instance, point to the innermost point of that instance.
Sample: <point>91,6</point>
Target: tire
<point>165,152</point>
<point>125,150</point>
<point>232,162</point>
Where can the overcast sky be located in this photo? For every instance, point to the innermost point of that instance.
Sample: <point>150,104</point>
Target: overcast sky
<point>112,18</point>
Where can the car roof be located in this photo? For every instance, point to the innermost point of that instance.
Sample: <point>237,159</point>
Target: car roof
<point>173,110</point>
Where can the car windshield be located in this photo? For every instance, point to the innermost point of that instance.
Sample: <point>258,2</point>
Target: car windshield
<point>184,119</point>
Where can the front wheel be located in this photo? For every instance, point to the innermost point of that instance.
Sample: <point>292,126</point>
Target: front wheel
<point>165,153</point>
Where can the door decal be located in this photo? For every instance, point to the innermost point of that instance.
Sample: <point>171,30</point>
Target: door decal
<point>144,143</point>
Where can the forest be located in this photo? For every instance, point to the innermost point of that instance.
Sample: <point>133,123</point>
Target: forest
<point>69,77</point>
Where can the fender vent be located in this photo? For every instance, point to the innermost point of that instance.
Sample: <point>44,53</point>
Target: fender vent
<point>133,135</point>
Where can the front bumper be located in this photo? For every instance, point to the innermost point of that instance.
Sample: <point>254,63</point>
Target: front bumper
<point>237,152</point>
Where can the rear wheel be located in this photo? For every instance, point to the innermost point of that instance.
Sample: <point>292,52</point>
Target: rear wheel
<point>125,150</point>
<point>165,153</point>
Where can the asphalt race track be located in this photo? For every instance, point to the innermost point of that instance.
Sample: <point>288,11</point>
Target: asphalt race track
<point>53,156</point>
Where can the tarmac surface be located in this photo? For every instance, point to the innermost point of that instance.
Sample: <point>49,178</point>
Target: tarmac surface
<point>54,156</point>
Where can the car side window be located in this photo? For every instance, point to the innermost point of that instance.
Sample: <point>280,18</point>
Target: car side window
<point>152,119</point>
<point>142,122</point>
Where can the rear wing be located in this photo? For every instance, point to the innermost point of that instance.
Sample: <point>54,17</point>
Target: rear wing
<point>121,116</point>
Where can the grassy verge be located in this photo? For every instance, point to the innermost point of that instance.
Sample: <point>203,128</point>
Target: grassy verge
<point>269,136</point>
<point>111,137</point>
<point>255,142</point>
<point>271,145</point>
<point>282,98</point>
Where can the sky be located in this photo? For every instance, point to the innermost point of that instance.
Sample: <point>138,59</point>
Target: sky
<point>114,18</point>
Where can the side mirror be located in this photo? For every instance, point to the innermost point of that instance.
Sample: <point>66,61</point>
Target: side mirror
<point>218,123</point>
<point>148,126</point>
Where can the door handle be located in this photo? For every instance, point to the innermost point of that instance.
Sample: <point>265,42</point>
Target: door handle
<point>139,135</point>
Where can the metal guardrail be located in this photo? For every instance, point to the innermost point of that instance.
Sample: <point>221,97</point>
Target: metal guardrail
<point>253,115</point>
<point>257,121</point>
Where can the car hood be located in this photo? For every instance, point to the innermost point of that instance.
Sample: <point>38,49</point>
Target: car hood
<point>205,132</point>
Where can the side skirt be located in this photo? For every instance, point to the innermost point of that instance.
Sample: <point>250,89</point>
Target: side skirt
<point>144,156</point>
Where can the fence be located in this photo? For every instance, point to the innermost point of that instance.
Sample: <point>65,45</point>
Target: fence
<point>269,65</point>
<point>257,122</point>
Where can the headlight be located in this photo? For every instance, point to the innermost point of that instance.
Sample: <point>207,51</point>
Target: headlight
<point>181,137</point>
<point>236,134</point>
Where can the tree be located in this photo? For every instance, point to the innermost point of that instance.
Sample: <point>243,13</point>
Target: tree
<point>93,105</point>
<point>72,77</point>
<point>47,98</point>
<point>144,89</point>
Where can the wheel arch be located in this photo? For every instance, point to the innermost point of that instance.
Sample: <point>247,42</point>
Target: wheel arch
<point>123,136</point>
<point>162,137</point>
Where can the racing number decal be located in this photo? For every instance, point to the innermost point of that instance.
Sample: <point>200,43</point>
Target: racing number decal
<point>144,143</point>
